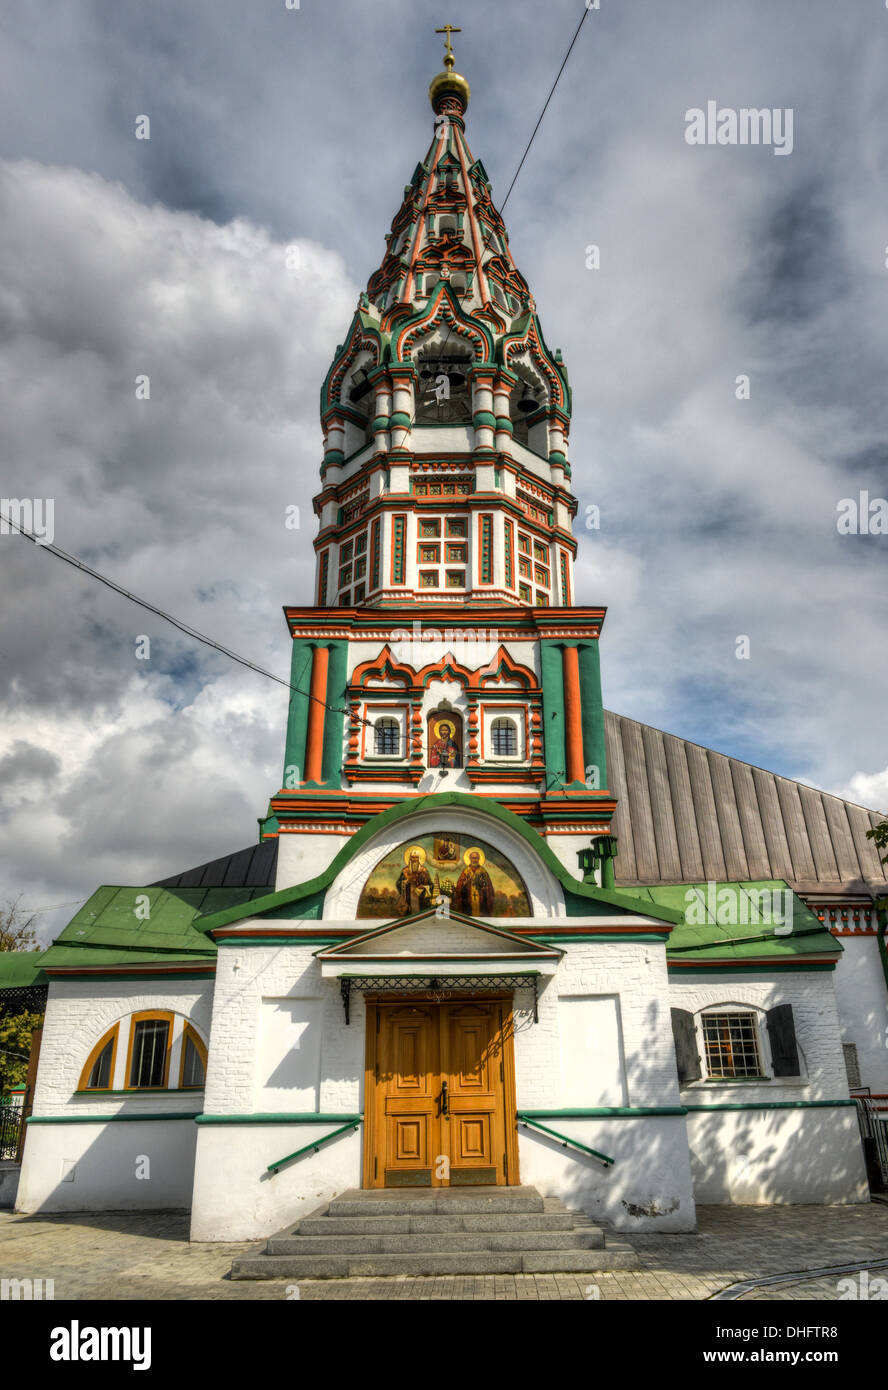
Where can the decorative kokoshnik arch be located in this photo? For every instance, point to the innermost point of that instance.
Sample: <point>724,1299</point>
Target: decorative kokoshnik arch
<point>443,870</point>
<point>511,858</point>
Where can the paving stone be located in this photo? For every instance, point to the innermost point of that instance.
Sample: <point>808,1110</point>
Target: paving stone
<point>147,1255</point>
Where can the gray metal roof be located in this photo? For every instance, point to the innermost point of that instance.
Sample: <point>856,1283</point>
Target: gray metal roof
<point>253,867</point>
<point>687,814</point>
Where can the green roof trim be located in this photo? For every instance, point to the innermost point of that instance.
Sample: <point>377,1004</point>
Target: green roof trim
<point>305,900</point>
<point>302,1117</point>
<point>773,1105</point>
<point>110,1119</point>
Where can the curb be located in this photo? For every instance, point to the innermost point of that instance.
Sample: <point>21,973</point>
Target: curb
<point>735,1291</point>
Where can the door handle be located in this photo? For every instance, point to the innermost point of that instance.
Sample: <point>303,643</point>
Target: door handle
<point>444,1110</point>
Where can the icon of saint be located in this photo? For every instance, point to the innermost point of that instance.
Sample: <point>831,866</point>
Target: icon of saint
<point>473,895</point>
<point>414,886</point>
<point>444,752</point>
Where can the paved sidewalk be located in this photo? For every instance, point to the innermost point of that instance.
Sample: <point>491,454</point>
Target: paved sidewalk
<point>134,1255</point>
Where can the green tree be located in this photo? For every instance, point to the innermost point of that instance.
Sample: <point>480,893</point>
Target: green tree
<point>17,933</point>
<point>17,930</point>
<point>879,836</point>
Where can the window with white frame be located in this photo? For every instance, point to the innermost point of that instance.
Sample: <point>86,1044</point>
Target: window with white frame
<point>385,732</point>
<point>731,1044</point>
<point>504,734</point>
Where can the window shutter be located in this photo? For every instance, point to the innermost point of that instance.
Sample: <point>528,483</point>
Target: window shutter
<point>781,1031</point>
<point>686,1054</point>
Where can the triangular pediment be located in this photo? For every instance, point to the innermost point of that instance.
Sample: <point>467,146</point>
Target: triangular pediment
<point>452,940</point>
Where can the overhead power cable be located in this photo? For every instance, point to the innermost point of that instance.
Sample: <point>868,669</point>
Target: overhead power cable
<point>185,627</point>
<point>169,618</point>
<point>545,108</point>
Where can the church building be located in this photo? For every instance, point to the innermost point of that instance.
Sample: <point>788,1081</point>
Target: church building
<point>491,936</point>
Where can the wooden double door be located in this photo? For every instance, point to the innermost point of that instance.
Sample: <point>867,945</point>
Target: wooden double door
<point>440,1094</point>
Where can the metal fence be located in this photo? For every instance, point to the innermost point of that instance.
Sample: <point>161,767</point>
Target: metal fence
<point>10,1130</point>
<point>873,1121</point>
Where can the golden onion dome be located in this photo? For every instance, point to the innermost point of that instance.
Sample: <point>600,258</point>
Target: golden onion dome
<point>449,83</point>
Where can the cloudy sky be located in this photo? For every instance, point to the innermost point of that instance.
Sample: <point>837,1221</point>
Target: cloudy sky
<point>272,128</point>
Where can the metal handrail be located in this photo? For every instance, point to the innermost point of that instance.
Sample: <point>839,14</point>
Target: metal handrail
<point>314,1146</point>
<point>565,1139</point>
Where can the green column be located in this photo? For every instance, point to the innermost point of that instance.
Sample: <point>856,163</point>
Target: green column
<point>594,752</point>
<point>297,719</point>
<point>553,713</point>
<point>334,724</point>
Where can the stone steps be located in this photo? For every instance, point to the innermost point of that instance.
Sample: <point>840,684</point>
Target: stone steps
<point>441,1201</point>
<point>439,1231</point>
<point>592,1239</point>
<point>437,1262</point>
<point>430,1225</point>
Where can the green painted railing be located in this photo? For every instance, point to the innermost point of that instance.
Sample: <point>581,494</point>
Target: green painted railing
<point>564,1139</point>
<point>314,1146</point>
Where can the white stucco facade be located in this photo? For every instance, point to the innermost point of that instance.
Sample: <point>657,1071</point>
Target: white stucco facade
<point>598,1066</point>
<point>113,1151</point>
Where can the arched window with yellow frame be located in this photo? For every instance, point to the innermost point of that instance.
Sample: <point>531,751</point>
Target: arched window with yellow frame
<point>98,1074</point>
<point>148,1055</point>
<point>193,1066</point>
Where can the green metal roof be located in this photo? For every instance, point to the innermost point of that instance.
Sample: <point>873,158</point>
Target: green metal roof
<point>19,969</point>
<point>141,926</point>
<point>727,922</point>
<point>737,921</point>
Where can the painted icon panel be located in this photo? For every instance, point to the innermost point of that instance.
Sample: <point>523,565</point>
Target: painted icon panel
<point>445,739</point>
<point>458,870</point>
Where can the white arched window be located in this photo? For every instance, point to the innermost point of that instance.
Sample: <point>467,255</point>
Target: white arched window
<point>152,1050</point>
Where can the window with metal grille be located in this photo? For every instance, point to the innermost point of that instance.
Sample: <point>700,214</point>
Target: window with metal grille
<point>100,1075</point>
<point>388,737</point>
<point>148,1066</point>
<point>731,1042</point>
<point>193,1060</point>
<point>504,737</point>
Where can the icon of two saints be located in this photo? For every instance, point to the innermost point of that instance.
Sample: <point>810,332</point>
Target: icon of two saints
<point>472,894</point>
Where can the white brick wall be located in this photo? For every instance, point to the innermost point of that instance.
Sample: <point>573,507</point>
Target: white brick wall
<point>637,973</point>
<point>799,1154</point>
<point>86,1167</point>
<point>816,1020</point>
<point>649,1187</point>
<point>863,1008</point>
<point>247,975</point>
<point>79,1011</point>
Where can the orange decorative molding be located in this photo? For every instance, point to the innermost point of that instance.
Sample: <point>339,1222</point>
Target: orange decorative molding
<point>384,667</point>
<point>314,740</point>
<point>573,715</point>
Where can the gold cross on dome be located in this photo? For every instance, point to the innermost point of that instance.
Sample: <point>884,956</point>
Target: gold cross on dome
<point>448,30</point>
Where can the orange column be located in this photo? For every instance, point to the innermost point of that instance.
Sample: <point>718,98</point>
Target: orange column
<point>573,715</point>
<point>314,739</point>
